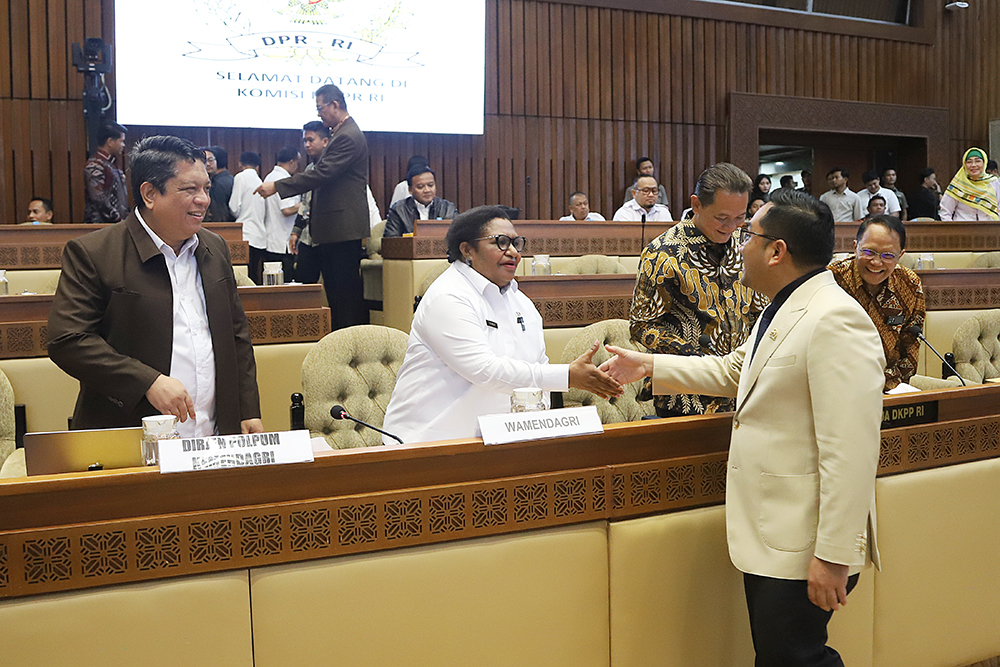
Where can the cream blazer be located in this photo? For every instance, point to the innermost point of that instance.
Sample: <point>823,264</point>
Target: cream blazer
<point>805,442</point>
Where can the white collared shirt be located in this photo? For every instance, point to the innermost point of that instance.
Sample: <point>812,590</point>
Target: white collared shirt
<point>892,206</point>
<point>249,207</point>
<point>278,225</point>
<point>846,207</point>
<point>192,357</point>
<point>632,211</point>
<point>593,216</point>
<point>424,212</point>
<point>471,344</point>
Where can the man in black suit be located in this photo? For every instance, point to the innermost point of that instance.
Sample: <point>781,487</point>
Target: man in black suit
<point>338,217</point>
<point>422,204</point>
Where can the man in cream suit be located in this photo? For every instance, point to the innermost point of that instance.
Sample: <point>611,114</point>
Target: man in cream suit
<point>800,490</point>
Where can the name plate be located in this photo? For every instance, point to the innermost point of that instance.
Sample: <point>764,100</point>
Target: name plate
<point>235,451</point>
<point>519,426</point>
<point>910,414</point>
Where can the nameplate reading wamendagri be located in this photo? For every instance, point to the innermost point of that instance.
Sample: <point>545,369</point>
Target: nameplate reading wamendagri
<point>909,414</point>
<point>516,427</point>
<point>235,451</point>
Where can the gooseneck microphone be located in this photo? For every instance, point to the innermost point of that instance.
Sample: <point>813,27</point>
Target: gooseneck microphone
<point>915,330</point>
<point>642,241</point>
<point>338,412</point>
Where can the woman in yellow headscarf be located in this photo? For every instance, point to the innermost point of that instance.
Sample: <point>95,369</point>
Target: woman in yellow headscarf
<point>972,194</point>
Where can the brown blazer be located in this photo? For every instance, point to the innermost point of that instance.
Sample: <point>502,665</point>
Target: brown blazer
<point>111,327</point>
<point>339,208</point>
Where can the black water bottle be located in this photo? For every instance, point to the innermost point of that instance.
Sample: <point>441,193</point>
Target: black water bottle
<point>297,413</point>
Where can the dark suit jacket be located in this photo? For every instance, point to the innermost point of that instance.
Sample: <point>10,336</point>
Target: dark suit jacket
<point>111,327</point>
<point>339,208</point>
<point>403,213</point>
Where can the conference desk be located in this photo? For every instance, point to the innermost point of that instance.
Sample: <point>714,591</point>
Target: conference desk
<point>276,314</point>
<point>933,236</point>
<point>364,500</point>
<point>603,550</point>
<point>41,246</point>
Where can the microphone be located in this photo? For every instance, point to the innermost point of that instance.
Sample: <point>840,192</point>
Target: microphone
<point>338,412</point>
<point>643,238</point>
<point>916,331</point>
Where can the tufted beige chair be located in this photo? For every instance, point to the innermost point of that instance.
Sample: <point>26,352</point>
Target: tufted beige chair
<point>371,266</point>
<point>928,383</point>
<point>431,276</point>
<point>7,436</point>
<point>976,345</point>
<point>354,367</point>
<point>594,264</point>
<point>623,409</point>
<point>988,260</point>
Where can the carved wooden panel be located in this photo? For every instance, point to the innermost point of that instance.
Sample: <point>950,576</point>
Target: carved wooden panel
<point>579,312</point>
<point>81,556</point>
<point>934,445</point>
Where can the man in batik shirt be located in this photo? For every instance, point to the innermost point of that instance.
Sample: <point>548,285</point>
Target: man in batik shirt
<point>892,295</point>
<point>689,298</point>
<point>105,199</point>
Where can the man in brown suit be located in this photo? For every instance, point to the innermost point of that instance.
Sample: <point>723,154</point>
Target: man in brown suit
<point>146,315</point>
<point>338,217</point>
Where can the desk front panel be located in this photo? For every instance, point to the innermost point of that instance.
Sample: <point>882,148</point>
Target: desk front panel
<point>65,532</point>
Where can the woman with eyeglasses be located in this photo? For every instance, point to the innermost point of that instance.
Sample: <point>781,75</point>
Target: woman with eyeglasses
<point>891,294</point>
<point>475,338</point>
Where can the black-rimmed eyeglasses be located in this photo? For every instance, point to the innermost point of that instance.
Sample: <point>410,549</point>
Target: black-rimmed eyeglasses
<point>743,236</point>
<point>503,241</point>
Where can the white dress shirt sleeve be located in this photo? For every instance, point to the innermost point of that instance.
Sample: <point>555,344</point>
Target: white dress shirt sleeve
<point>463,345</point>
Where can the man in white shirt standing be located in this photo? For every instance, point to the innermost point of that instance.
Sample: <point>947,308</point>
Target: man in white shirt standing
<point>873,187</point>
<point>644,205</point>
<point>146,315</point>
<point>248,209</point>
<point>279,214</point>
<point>579,209</point>
<point>844,204</point>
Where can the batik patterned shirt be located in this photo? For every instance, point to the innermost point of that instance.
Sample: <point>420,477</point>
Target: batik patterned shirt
<point>105,199</point>
<point>688,292</point>
<point>897,306</point>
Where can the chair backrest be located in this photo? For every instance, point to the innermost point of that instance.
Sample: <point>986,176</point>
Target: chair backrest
<point>354,367</point>
<point>988,260</point>
<point>594,264</point>
<point>976,346</point>
<point>431,276</point>
<point>625,408</point>
<point>243,280</point>
<point>7,428</point>
<point>374,246</point>
<point>909,260</point>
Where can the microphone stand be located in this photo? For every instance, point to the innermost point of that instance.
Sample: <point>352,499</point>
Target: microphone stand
<point>920,334</point>
<point>338,412</point>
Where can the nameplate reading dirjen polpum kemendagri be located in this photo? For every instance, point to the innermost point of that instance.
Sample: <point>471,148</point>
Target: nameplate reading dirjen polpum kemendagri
<point>235,451</point>
<point>504,428</point>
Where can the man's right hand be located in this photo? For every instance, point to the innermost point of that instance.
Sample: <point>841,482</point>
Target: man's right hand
<point>169,396</point>
<point>293,242</point>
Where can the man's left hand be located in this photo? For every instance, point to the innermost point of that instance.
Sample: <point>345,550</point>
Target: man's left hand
<point>827,584</point>
<point>251,426</point>
<point>265,190</point>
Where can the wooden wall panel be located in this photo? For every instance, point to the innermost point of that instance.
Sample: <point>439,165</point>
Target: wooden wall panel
<point>574,94</point>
